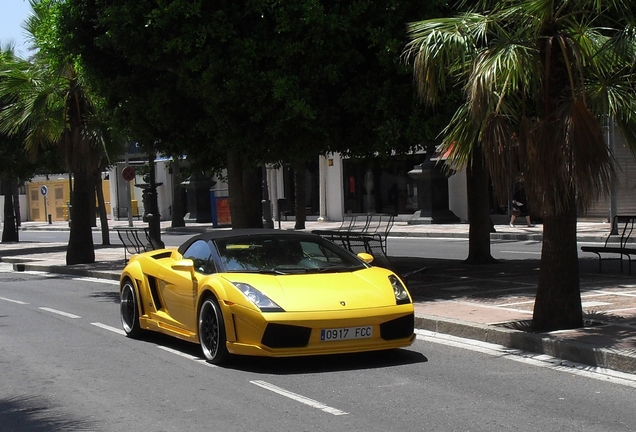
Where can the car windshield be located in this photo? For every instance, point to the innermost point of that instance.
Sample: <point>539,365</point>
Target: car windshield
<point>284,254</point>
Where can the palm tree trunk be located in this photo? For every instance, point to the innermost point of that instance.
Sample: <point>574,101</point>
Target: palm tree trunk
<point>558,301</point>
<point>10,227</point>
<point>478,211</point>
<point>80,244</point>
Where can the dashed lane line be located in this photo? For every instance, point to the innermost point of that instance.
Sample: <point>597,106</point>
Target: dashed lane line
<point>13,301</point>
<point>59,312</point>
<point>187,356</point>
<point>299,398</point>
<point>110,328</point>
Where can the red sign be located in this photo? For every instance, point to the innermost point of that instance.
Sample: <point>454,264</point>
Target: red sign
<point>128,173</point>
<point>223,211</point>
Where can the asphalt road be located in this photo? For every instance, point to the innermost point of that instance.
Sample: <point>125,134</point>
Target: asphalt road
<point>67,366</point>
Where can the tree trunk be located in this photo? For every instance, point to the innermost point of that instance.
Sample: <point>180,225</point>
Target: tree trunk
<point>80,244</point>
<point>10,228</point>
<point>177,203</point>
<point>235,189</point>
<point>478,211</point>
<point>101,208</point>
<point>245,194</point>
<point>299,186</point>
<point>558,302</point>
<point>253,192</point>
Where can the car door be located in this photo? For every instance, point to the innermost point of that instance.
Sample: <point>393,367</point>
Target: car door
<point>179,289</point>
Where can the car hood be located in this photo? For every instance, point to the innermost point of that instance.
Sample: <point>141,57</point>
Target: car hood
<point>323,292</point>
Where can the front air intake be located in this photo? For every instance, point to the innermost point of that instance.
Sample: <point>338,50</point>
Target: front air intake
<point>285,336</point>
<point>399,328</point>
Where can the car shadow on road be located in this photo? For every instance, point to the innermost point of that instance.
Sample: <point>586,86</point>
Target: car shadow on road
<point>327,363</point>
<point>296,365</point>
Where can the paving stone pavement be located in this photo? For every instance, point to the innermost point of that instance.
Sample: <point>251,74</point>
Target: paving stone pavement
<point>491,303</point>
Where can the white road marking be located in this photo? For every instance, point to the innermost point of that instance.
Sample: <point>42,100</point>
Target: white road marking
<point>109,328</point>
<point>594,303</point>
<point>187,356</point>
<point>13,301</point>
<point>498,307</point>
<point>418,238</point>
<point>59,275</point>
<point>520,252</point>
<point>58,312</point>
<point>540,360</point>
<point>6,268</point>
<point>624,294</point>
<point>97,280</point>
<point>299,398</point>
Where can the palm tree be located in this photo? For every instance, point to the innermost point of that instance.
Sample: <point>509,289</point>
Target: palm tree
<point>52,107</point>
<point>539,77</point>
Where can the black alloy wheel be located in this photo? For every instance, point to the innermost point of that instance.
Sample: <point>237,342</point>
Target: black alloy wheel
<point>212,332</point>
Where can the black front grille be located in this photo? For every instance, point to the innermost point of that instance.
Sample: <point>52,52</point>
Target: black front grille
<point>399,328</point>
<point>285,336</point>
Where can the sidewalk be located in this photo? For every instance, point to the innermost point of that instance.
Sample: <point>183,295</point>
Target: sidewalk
<point>491,303</point>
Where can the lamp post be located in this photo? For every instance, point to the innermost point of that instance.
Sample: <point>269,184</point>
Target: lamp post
<point>151,207</point>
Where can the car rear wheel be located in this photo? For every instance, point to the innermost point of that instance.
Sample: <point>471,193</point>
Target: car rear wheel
<point>129,310</point>
<point>212,332</point>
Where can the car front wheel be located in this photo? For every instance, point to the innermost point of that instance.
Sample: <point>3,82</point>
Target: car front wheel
<point>212,332</point>
<point>129,310</point>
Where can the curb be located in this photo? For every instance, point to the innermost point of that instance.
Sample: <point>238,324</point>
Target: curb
<point>63,269</point>
<point>533,342</point>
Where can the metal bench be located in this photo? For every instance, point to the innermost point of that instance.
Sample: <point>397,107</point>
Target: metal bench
<point>366,233</point>
<point>135,240</point>
<point>619,242</point>
<point>374,227</point>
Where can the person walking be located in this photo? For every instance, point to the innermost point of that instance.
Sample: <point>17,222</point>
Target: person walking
<point>519,204</point>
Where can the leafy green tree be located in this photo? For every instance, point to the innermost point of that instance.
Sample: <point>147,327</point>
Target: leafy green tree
<point>248,83</point>
<point>538,78</point>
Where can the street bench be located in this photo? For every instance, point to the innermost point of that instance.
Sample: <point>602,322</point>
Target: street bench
<point>619,242</point>
<point>373,227</point>
<point>366,233</point>
<point>135,240</point>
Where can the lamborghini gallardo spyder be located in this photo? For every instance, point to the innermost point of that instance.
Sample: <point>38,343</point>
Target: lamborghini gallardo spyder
<point>266,293</point>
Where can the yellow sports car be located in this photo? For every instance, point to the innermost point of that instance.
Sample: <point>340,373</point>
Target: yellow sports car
<point>266,293</point>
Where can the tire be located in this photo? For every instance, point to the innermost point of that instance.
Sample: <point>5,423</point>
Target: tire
<point>212,332</point>
<point>129,310</point>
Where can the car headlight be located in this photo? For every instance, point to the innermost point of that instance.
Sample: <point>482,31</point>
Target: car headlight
<point>258,298</point>
<point>399,290</point>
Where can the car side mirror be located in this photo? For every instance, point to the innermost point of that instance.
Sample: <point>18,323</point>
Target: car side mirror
<point>367,258</point>
<point>184,265</point>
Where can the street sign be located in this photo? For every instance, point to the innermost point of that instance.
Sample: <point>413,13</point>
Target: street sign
<point>128,173</point>
<point>44,190</point>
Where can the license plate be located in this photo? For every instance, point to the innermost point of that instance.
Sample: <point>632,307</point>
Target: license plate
<point>336,334</point>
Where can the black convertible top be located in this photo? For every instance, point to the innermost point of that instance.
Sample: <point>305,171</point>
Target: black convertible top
<point>245,232</point>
